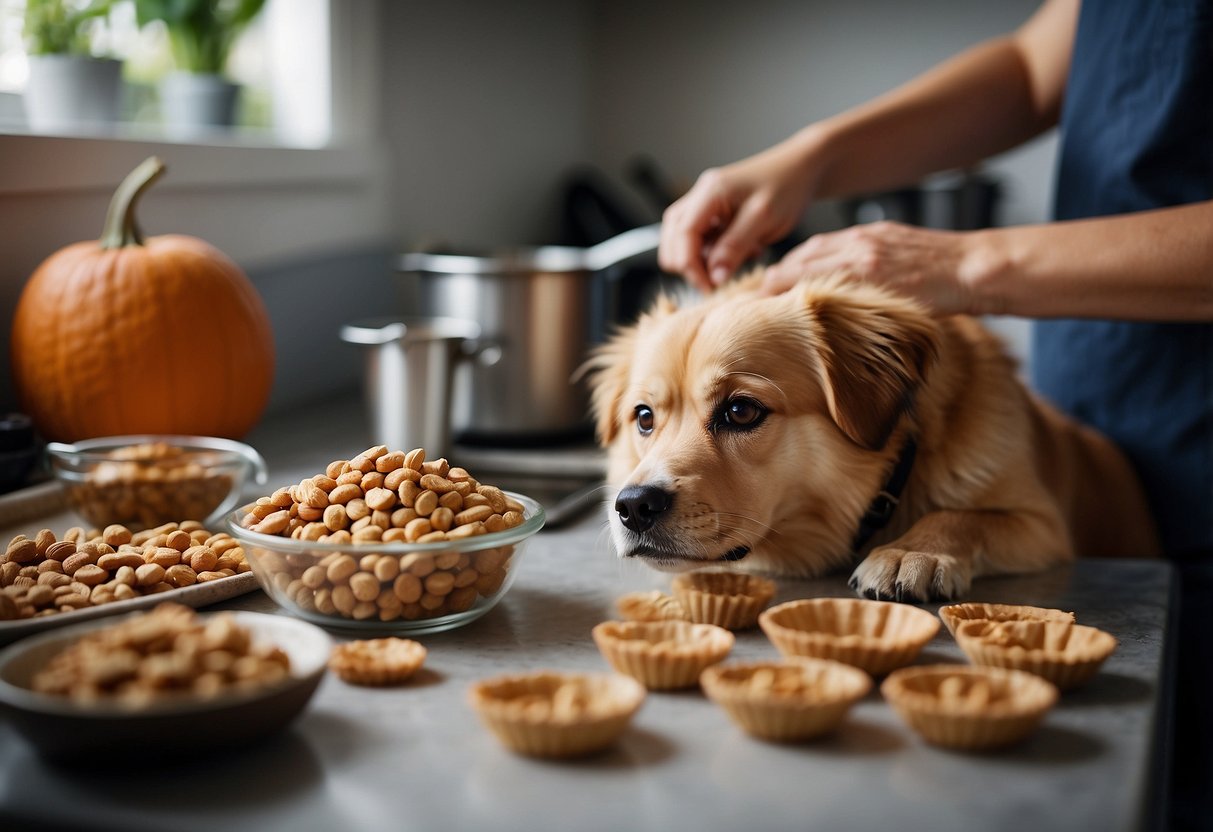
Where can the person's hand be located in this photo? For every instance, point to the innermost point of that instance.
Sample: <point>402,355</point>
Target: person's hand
<point>925,264</point>
<point>732,212</point>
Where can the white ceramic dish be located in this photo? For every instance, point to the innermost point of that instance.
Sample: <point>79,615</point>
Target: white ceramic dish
<point>64,731</point>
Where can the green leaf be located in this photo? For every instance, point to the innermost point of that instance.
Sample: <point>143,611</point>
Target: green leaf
<point>201,32</point>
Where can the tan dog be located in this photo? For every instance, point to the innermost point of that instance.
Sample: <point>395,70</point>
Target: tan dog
<point>778,433</point>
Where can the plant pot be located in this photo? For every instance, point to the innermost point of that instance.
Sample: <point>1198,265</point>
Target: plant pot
<point>193,103</point>
<point>72,92</point>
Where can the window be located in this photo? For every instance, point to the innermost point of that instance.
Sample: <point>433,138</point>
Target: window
<point>281,63</point>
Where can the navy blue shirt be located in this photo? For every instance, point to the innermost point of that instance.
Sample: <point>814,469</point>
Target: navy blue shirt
<point>1136,134</point>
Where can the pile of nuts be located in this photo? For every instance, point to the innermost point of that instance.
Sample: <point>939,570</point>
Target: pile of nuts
<point>48,575</point>
<point>169,650</point>
<point>386,497</point>
<point>148,484</point>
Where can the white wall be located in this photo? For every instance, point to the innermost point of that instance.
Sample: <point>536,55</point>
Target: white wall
<point>696,83</point>
<point>485,107</point>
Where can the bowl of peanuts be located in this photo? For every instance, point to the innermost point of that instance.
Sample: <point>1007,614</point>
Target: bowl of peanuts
<point>387,541</point>
<point>165,682</point>
<point>147,480</point>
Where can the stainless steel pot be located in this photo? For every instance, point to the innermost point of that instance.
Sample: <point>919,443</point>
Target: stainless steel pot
<point>542,308</point>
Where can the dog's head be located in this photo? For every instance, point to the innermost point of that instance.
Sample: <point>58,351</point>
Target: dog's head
<point>753,428</point>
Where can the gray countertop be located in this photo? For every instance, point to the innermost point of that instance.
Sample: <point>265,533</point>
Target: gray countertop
<point>415,757</point>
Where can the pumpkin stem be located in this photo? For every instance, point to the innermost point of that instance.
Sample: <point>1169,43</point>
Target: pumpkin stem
<point>121,229</point>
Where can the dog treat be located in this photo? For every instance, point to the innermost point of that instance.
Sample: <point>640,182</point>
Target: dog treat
<point>662,655</point>
<point>876,636</point>
<point>380,661</point>
<point>48,575</point>
<point>148,484</point>
<point>1066,654</point>
<point>555,715</point>
<point>169,651</point>
<point>953,614</point>
<point>384,497</point>
<point>969,708</point>
<point>788,701</point>
<point>651,606</point>
<point>731,600</point>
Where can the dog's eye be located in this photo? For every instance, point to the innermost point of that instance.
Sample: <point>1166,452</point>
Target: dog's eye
<point>739,414</point>
<point>644,419</point>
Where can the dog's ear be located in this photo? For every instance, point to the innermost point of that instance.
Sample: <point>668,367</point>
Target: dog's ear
<point>608,369</point>
<point>873,351</point>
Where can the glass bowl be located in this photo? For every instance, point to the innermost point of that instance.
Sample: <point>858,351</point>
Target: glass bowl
<point>389,587</point>
<point>147,480</point>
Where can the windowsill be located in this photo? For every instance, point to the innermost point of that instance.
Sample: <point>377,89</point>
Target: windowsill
<point>39,162</point>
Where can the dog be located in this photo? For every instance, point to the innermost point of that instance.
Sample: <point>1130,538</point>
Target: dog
<point>839,424</point>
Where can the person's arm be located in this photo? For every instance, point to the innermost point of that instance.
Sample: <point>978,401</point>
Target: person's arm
<point>983,101</point>
<point>1152,265</point>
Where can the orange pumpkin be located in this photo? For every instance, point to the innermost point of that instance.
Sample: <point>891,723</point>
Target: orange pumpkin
<point>125,335</point>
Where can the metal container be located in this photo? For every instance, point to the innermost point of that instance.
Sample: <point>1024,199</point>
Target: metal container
<point>409,369</point>
<point>541,308</point>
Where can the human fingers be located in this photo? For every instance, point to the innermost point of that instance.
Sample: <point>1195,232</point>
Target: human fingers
<point>688,225</point>
<point>820,253</point>
<point>742,239</point>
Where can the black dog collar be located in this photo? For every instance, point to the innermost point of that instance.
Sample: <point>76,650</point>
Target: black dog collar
<point>881,509</point>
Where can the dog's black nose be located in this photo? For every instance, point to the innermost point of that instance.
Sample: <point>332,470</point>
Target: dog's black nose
<point>639,505</point>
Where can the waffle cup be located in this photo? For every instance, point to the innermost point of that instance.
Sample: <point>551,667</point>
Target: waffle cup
<point>379,661</point>
<point>662,655</point>
<point>651,606</point>
<point>758,696</point>
<point>955,614</point>
<point>555,715</point>
<point>731,600</point>
<point>876,636</point>
<point>1068,655</point>
<point>969,708</point>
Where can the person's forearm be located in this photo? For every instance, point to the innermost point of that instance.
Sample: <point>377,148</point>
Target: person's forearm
<point>1152,265</point>
<point>977,104</point>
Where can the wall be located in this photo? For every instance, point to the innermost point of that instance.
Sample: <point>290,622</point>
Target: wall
<point>696,83</point>
<point>485,108</point>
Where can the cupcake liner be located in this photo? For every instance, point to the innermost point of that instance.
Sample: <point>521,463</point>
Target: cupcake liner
<point>651,606</point>
<point>1011,707</point>
<point>1068,655</point>
<point>662,655</point>
<point>824,692</point>
<point>374,662</point>
<point>953,615</point>
<point>732,600</point>
<point>876,636</point>
<point>556,715</point>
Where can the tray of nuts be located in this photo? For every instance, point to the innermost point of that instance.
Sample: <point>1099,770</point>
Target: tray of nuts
<point>51,580</point>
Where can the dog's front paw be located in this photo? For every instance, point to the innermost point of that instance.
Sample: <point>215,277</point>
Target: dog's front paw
<point>892,574</point>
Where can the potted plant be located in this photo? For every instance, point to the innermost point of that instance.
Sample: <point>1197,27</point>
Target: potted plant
<point>201,34</point>
<point>68,88</point>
